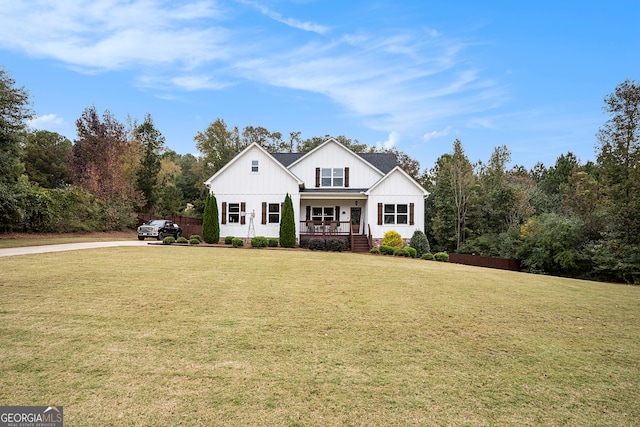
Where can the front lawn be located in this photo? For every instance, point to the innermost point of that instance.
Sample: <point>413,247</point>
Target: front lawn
<point>154,335</point>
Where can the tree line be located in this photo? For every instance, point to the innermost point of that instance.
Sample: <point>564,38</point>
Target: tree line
<point>572,219</point>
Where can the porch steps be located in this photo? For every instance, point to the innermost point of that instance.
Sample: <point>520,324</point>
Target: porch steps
<point>360,243</point>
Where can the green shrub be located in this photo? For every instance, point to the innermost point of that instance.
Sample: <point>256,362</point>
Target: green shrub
<point>317,244</point>
<point>195,236</point>
<point>401,252</point>
<point>337,245</point>
<point>182,240</point>
<point>428,256</point>
<point>393,239</point>
<point>194,241</point>
<point>412,251</point>
<point>228,240</point>
<point>442,256</point>
<point>375,251</point>
<point>386,249</point>
<point>259,242</point>
<point>168,240</point>
<point>272,243</point>
<point>304,242</point>
<point>420,243</point>
<point>237,242</point>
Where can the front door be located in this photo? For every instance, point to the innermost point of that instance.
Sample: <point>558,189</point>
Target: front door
<point>355,219</point>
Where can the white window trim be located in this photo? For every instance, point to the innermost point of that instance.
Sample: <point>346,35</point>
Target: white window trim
<point>331,177</point>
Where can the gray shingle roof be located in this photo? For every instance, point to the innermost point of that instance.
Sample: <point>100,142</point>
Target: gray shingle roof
<point>385,162</point>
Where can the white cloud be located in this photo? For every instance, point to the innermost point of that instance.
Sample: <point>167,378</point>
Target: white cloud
<point>99,35</point>
<point>391,142</point>
<point>47,121</point>
<point>436,134</point>
<point>199,82</point>
<point>291,22</point>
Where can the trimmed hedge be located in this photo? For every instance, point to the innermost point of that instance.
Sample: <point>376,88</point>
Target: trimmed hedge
<point>386,249</point>
<point>259,242</point>
<point>442,256</point>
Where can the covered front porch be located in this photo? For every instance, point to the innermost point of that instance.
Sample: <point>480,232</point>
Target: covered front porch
<point>331,215</point>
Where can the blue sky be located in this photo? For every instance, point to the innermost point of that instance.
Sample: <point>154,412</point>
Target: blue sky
<point>411,74</point>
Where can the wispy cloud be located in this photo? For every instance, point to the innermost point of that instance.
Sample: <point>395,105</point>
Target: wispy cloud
<point>395,81</point>
<point>291,22</point>
<point>436,134</point>
<point>402,82</point>
<point>102,35</point>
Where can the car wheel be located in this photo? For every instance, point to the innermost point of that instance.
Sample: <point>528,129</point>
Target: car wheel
<point>178,235</point>
<point>140,237</point>
<point>160,236</point>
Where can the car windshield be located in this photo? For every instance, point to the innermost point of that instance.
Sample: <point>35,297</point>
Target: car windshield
<point>158,222</point>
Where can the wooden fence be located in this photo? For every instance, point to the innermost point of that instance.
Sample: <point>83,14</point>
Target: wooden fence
<point>189,225</point>
<point>486,261</point>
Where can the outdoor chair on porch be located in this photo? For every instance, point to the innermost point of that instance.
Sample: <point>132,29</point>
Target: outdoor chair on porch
<point>333,227</point>
<point>311,227</point>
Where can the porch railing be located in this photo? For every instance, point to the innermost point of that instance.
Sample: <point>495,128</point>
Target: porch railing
<point>325,228</point>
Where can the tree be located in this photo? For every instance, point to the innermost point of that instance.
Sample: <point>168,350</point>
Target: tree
<point>152,143</point>
<point>619,160</point>
<point>14,113</point>
<point>287,224</point>
<point>104,162</point>
<point>218,146</point>
<point>420,243</point>
<point>462,181</point>
<point>210,221</point>
<point>354,145</point>
<point>270,141</point>
<point>46,159</point>
<point>408,164</point>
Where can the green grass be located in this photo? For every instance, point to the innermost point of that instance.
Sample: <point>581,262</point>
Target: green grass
<point>152,336</point>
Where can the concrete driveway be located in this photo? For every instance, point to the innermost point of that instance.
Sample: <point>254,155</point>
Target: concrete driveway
<point>68,247</point>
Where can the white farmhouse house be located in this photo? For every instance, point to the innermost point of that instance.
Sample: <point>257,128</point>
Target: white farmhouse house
<point>334,192</point>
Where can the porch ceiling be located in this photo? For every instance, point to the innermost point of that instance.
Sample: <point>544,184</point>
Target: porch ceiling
<point>341,194</point>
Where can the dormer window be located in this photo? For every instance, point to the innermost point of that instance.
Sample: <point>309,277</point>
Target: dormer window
<point>332,177</point>
<point>254,166</point>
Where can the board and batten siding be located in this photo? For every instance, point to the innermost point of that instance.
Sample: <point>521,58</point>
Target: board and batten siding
<point>361,174</point>
<point>396,189</point>
<point>238,184</point>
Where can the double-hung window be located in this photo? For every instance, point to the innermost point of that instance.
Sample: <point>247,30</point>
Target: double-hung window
<point>332,177</point>
<point>396,214</point>
<point>274,213</point>
<point>254,166</point>
<point>234,213</point>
